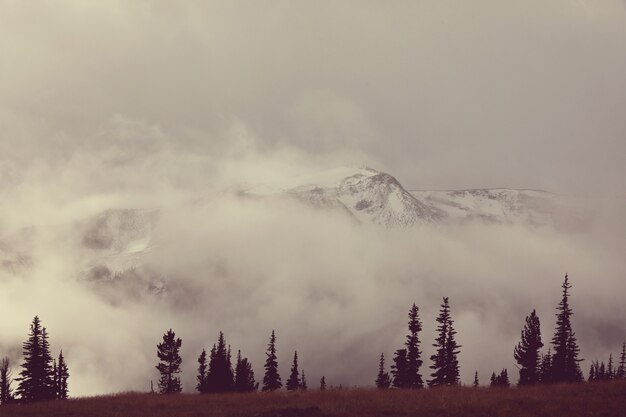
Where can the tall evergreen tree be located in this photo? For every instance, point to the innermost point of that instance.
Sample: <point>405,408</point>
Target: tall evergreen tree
<point>271,379</point>
<point>621,368</point>
<point>244,375</point>
<point>565,363</point>
<point>202,385</point>
<point>323,383</point>
<point>36,378</point>
<point>169,363</point>
<point>445,363</point>
<point>293,383</point>
<point>476,383</point>
<point>220,376</point>
<point>382,380</point>
<point>6,392</point>
<point>398,369</point>
<point>413,353</point>
<point>62,376</point>
<point>526,353</point>
<point>609,370</point>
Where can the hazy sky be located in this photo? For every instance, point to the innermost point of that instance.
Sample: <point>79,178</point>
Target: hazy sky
<point>113,104</point>
<point>443,94</point>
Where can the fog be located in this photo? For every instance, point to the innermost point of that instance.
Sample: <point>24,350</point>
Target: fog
<point>152,105</point>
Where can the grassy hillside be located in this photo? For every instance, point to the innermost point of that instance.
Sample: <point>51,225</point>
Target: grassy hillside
<point>597,399</point>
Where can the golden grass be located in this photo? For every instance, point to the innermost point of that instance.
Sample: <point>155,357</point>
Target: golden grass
<point>597,399</point>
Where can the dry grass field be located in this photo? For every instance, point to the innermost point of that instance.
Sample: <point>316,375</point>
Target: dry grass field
<point>597,399</point>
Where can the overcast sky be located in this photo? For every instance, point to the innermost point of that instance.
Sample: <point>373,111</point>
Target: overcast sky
<point>442,94</point>
<point>117,104</point>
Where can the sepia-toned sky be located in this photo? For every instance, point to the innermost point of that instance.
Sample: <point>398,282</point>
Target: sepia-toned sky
<point>148,104</point>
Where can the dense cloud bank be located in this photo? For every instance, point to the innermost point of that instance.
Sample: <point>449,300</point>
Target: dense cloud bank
<point>152,105</point>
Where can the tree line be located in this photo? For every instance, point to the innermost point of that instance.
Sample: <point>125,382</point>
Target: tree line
<point>42,377</point>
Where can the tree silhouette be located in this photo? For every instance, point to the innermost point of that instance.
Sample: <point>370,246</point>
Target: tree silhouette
<point>501,380</point>
<point>62,376</point>
<point>220,376</point>
<point>565,363</point>
<point>293,383</point>
<point>445,363</point>
<point>413,378</point>
<point>545,367</point>
<point>475,384</point>
<point>202,378</point>
<point>323,383</point>
<point>6,392</point>
<point>303,385</point>
<point>382,380</point>
<point>36,381</point>
<point>244,375</point>
<point>169,365</point>
<point>621,368</point>
<point>398,369</point>
<point>526,353</point>
<point>271,379</point>
<point>609,370</point>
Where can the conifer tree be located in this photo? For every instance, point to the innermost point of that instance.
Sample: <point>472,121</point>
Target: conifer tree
<point>475,384</point>
<point>169,363</point>
<point>621,368</point>
<point>220,376</point>
<point>202,386</point>
<point>323,383</point>
<point>62,376</point>
<point>6,392</point>
<point>303,385</point>
<point>244,375</point>
<point>445,363</point>
<point>609,369</point>
<point>526,353</point>
<point>501,380</point>
<point>545,367</point>
<point>293,383</point>
<point>382,380</point>
<point>565,363</point>
<point>271,379</point>
<point>398,369</point>
<point>36,378</point>
<point>413,353</point>
<point>592,372</point>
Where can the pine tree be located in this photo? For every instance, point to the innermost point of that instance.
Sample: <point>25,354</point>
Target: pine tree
<point>323,383</point>
<point>413,353</point>
<point>271,379</point>
<point>445,363</point>
<point>169,365</point>
<point>6,392</point>
<point>609,369</point>
<point>220,376</point>
<point>382,380</point>
<point>501,380</point>
<point>244,375</point>
<point>398,369</point>
<point>476,383</point>
<point>36,378</point>
<point>202,386</point>
<point>293,383</point>
<point>62,377</point>
<point>303,385</point>
<point>592,372</point>
<point>526,353</point>
<point>545,367</point>
<point>565,362</point>
<point>621,369</point>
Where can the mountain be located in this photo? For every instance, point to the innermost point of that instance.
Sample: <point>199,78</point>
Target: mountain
<point>114,245</point>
